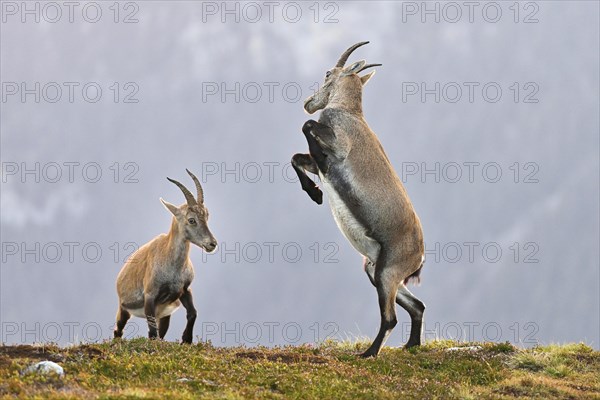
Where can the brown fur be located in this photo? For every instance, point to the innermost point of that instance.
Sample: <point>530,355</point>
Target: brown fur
<point>156,279</point>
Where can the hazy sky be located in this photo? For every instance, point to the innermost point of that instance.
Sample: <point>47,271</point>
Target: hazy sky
<point>489,113</point>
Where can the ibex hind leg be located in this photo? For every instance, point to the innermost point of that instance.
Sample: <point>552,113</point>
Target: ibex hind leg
<point>122,317</point>
<point>415,309</point>
<point>386,281</point>
<point>409,302</point>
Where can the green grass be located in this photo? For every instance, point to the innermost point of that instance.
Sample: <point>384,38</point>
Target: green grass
<point>141,368</point>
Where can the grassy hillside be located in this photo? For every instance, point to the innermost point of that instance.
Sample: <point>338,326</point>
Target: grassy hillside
<point>152,369</point>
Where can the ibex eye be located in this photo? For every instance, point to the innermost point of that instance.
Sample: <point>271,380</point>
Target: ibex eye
<point>192,221</point>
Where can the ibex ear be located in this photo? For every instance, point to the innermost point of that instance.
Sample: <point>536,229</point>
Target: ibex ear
<point>172,208</point>
<point>365,78</point>
<point>354,68</point>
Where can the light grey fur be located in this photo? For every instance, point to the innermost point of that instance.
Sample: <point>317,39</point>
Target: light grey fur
<point>367,199</point>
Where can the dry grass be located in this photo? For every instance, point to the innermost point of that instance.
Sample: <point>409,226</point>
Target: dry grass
<point>153,369</point>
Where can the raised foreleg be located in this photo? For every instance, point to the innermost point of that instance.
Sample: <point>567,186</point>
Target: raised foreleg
<point>321,143</point>
<point>302,163</point>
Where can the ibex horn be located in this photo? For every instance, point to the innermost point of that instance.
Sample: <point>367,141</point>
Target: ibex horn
<point>189,197</point>
<point>347,53</point>
<point>199,190</point>
<point>368,66</point>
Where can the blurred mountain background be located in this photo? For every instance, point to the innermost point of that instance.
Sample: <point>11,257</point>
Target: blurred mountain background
<point>178,54</point>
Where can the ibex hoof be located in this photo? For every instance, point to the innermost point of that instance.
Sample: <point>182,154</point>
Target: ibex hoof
<point>316,195</point>
<point>411,344</point>
<point>308,125</point>
<point>368,354</point>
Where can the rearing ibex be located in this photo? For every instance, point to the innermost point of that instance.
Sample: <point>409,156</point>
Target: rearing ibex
<point>368,201</point>
<point>156,279</point>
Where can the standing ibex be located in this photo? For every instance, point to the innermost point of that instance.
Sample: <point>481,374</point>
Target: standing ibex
<point>368,201</point>
<point>156,279</point>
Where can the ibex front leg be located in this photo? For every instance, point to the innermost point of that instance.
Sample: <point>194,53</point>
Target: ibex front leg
<point>188,303</point>
<point>321,142</point>
<point>163,326</point>
<point>150,311</point>
<point>122,317</point>
<point>302,163</point>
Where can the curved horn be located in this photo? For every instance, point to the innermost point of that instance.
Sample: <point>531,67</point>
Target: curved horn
<point>199,190</point>
<point>346,54</point>
<point>189,197</point>
<point>368,66</point>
